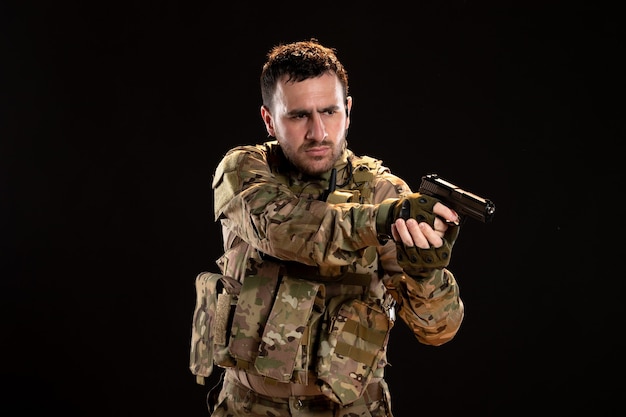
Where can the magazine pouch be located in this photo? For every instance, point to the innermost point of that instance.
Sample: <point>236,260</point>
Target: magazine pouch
<point>253,308</point>
<point>352,348</point>
<point>284,336</point>
<point>202,327</point>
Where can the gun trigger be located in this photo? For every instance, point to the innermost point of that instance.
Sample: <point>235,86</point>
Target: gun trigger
<point>450,222</point>
<point>453,223</point>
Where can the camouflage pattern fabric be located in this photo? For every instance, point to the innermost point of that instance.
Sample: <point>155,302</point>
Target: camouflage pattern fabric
<point>209,331</point>
<point>337,237</point>
<point>351,349</point>
<point>237,400</point>
<point>283,334</point>
<point>278,222</point>
<point>201,355</point>
<point>253,309</point>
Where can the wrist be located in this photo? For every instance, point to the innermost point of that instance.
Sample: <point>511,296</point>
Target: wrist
<point>384,219</point>
<point>421,275</point>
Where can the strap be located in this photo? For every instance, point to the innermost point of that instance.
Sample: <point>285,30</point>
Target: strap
<point>311,273</point>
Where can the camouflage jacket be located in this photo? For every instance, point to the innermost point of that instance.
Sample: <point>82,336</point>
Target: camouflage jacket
<point>272,215</point>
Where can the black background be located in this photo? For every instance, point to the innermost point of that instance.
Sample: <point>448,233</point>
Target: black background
<point>115,116</point>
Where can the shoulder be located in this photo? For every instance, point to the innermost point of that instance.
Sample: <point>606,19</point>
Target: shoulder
<point>259,150</point>
<point>368,168</point>
<point>389,185</point>
<point>379,177</point>
<point>240,157</point>
<point>385,183</point>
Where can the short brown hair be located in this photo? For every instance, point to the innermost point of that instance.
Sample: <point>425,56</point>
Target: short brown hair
<point>299,61</point>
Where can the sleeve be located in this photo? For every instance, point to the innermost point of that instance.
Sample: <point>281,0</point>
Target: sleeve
<point>432,308</point>
<point>251,202</point>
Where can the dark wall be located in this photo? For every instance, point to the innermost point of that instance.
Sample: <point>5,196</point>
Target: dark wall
<point>116,116</point>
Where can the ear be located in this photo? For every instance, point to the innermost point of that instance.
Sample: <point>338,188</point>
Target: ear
<point>268,120</point>
<point>348,110</point>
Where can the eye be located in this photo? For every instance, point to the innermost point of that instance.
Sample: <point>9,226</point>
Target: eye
<point>298,116</point>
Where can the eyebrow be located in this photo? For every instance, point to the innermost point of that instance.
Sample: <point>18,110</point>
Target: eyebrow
<point>297,112</point>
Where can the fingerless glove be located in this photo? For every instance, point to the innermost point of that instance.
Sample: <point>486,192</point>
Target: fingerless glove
<point>419,263</point>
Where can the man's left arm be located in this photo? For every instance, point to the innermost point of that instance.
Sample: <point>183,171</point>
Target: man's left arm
<point>429,304</point>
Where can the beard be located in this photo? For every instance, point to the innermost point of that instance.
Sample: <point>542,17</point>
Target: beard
<point>314,165</point>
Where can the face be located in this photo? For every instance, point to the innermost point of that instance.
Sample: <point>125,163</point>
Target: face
<point>310,120</point>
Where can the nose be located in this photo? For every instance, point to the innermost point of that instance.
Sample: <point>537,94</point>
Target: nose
<point>316,130</point>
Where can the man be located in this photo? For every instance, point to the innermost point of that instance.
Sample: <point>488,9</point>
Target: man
<point>323,249</point>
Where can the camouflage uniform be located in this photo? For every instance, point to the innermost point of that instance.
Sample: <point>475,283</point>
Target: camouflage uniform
<point>317,288</point>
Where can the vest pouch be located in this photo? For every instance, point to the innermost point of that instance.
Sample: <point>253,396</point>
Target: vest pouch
<point>285,337</point>
<point>203,324</point>
<point>352,348</point>
<point>254,304</point>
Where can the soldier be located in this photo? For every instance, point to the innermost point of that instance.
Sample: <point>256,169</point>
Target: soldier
<point>318,257</point>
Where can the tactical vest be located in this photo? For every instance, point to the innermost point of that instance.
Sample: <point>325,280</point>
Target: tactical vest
<point>290,324</point>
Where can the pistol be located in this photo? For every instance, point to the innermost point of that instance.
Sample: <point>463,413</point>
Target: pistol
<point>461,201</point>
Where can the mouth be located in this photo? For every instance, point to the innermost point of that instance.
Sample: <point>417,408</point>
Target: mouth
<point>317,151</point>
